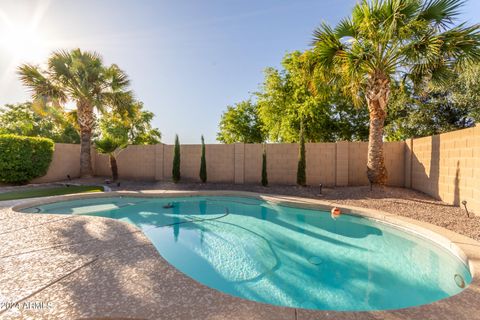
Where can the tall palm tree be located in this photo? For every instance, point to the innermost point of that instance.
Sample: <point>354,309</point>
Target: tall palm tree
<point>390,40</point>
<point>82,78</point>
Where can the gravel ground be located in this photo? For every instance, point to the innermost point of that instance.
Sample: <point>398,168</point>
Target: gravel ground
<point>400,201</point>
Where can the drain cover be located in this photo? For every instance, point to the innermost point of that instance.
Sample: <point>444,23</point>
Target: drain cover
<point>315,260</point>
<point>459,281</point>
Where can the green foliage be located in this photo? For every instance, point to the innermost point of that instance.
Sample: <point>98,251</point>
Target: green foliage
<point>295,93</point>
<point>132,124</point>
<point>112,146</point>
<point>76,75</point>
<point>109,144</point>
<point>302,163</point>
<point>264,168</point>
<point>241,123</point>
<point>47,192</point>
<point>176,161</point>
<point>81,77</point>
<point>24,158</point>
<point>419,41</point>
<point>26,119</point>
<point>203,163</point>
<point>438,111</point>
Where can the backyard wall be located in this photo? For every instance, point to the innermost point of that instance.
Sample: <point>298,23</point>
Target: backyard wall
<point>65,161</point>
<point>446,166</point>
<point>332,164</point>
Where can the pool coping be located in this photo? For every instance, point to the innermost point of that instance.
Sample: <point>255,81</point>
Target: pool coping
<point>465,248</point>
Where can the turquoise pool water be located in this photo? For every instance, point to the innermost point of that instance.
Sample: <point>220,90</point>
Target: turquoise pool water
<point>286,256</point>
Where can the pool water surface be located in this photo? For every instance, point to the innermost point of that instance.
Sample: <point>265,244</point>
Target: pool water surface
<point>286,256</point>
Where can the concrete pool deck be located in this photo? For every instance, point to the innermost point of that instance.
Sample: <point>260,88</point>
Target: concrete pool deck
<point>70,267</point>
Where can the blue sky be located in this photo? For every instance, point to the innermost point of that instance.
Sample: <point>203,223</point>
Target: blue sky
<point>187,59</point>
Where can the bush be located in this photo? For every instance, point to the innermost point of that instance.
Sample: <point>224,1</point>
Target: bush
<point>203,163</point>
<point>176,161</point>
<point>301,174</point>
<point>264,168</point>
<point>24,158</point>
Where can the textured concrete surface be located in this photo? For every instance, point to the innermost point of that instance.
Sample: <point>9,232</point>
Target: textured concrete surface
<point>70,267</point>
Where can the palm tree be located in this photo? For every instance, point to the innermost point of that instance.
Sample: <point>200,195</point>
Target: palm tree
<point>393,40</point>
<point>82,78</point>
<point>111,146</point>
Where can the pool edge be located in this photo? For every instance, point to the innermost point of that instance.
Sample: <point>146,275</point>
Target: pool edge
<point>462,246</point>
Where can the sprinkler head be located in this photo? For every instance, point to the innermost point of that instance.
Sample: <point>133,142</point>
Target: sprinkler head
<point>464,202</point>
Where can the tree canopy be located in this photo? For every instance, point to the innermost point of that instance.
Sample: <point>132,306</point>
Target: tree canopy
<point>133,125</point>
<point>285,99</point>
<point>241,123</point>
<point>25,120</point>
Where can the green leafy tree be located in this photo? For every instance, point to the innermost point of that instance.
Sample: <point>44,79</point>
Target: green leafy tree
<point>264,167</point>
<point>81,77</point>
<point>176,161</point>
<point>23,119</point>
<point>302,162</point>
<point>387,39</point>
<point>111,146</point>
<point>411,115</point>
<point>295,94</point>
<point>132,124</point>
<point>203,163</point>
<point>465,91</point>
<point>119,129</point>
<point>240,123</point>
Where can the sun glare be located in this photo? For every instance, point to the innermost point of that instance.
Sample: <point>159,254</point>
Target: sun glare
<point>22,39</point>
<point>24,43</point>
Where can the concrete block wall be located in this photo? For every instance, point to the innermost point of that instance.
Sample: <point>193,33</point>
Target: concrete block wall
<point>65,161</point>
<point>253,163</point>
<point>282,162</point>
<point>446,166</point>
<point>321,161</point>
<point>331,164</point>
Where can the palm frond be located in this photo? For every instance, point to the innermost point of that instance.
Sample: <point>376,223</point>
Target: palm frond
<point>117,79</point>
<point>327,45</point>
<point>40,86</point>
<point>345,28</point>
<point>109,144</point>
<point>442,13</point>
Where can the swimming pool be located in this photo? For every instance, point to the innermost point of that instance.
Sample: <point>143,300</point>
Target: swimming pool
<point>286,256</point>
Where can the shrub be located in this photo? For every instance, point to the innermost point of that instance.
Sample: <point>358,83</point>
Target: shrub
<point>203,163</point>
<point>24,158</point>
<point>264,168</point>
<point>301,174</point>
<point>176,161</point>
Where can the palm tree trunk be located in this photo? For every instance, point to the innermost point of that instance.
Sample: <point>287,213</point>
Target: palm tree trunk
<point>378,92</point>
<point>114,167</point>
<point>86,120</point>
